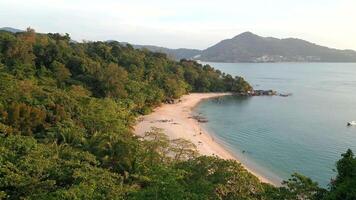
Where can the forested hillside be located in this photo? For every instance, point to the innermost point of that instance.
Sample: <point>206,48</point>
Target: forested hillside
<point>66,112</point>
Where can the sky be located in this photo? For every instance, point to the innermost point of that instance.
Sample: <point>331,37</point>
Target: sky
<point>187,23</point>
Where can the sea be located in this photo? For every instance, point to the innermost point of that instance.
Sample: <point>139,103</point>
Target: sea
<point>276,136</point>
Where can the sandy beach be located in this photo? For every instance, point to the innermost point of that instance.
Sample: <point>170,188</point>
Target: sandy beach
<point>177,122</point>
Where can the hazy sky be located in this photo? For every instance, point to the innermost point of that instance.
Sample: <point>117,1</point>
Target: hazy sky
<point>187,23</point>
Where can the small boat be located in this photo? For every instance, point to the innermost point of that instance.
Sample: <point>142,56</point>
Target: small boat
<point>285,95</point>
<point>352,123</point>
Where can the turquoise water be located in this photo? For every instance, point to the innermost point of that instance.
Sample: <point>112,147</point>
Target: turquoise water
<point>276,136</point>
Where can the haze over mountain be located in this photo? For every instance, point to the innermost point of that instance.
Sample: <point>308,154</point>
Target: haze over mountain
<point>177,54</point>
<point>9,29</point>
<point>248,47</point>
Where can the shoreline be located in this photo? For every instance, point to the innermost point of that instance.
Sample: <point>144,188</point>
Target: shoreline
<point>177,122</point>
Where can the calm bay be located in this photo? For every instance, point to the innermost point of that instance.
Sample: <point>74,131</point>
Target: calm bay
<point>277,136</point>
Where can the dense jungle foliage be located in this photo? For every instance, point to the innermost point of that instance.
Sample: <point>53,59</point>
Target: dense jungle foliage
<point>66,116</point>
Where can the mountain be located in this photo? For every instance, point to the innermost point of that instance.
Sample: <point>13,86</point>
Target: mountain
<point>248,47</point>
<point>9,29</point>
<point>177,54</point>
